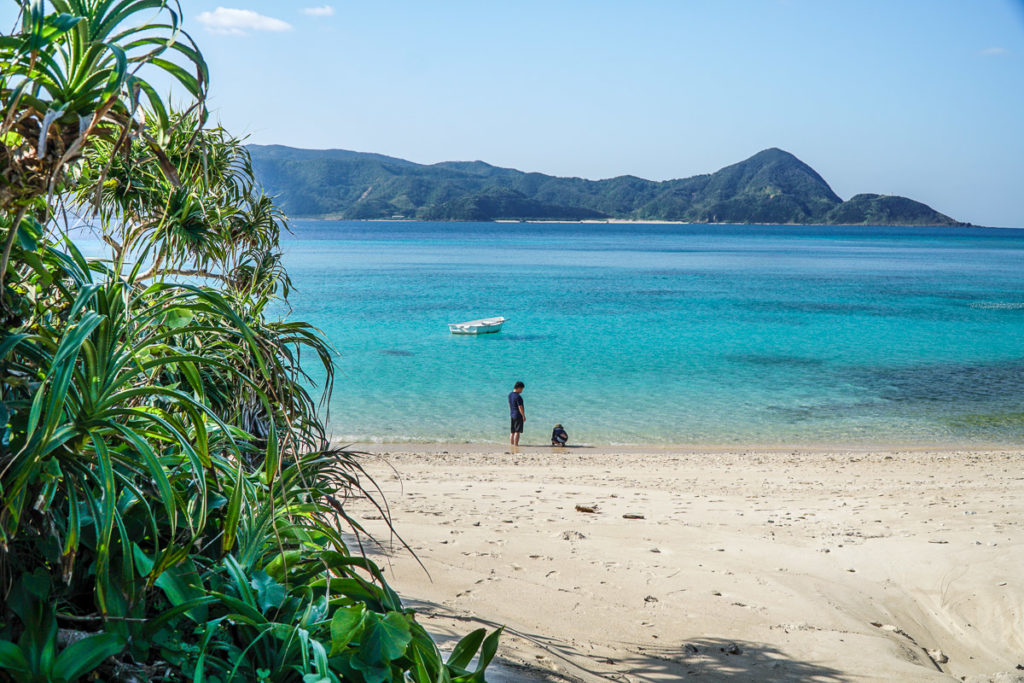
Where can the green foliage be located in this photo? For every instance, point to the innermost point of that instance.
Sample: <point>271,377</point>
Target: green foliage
<point>500,203</point>
<point>169,502</point>
<point>873,209</point>
<point>74,73</point>
<point>770,187</point>
<point>34,658</point>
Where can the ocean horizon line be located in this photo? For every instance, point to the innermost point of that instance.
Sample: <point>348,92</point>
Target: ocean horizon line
<point>626,221</point>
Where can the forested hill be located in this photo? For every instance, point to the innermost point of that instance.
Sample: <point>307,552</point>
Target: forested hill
<point>772,186</point>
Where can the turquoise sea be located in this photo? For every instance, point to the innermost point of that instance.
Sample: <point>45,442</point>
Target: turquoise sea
<point>669,334</point>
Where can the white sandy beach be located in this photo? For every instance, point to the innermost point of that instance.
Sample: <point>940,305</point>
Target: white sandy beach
<point>774,565</point>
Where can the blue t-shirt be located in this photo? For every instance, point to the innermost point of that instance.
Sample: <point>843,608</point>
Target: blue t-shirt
<point>514,402</point>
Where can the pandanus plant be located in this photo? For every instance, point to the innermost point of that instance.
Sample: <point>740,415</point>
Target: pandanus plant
<point>68,78</point>
<point>216,226</point>
<point>77,73</point>
<point>193,210</point>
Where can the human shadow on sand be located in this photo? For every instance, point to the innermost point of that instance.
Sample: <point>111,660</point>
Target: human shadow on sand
<point>706,659</point>
<point>719,659</point>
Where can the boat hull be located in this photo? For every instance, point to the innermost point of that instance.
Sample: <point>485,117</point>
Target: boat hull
<point>482,326</point>
<point>473,329</point>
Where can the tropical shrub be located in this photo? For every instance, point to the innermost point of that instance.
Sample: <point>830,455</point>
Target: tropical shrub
<point>170,506</point>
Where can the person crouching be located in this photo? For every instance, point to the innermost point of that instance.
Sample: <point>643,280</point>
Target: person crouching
<point>559,437</point>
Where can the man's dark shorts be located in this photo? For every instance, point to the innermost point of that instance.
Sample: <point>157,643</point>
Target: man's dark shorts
<point>517,424</point>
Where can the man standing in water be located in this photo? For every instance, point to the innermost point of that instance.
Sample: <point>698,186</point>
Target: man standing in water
<point>517,411</point>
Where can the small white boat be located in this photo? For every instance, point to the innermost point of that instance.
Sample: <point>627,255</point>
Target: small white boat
<point>483,326</point>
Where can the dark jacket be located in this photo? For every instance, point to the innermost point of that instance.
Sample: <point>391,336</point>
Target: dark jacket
<point>559,436</point>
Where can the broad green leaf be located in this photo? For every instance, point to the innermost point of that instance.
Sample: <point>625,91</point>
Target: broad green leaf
<point>29,232</point>
<point>281,562</point>
<point>143,563</point>
<point>269,593</point>
<point>487,652</point>
<point>465,650</point>
<point>84,655</point>
<point>12,658</point>
<point>384,639</point>
<point>182,584</point>
<point>316,612</point>
<point>345,626</point>
<point>372,672</point>
<point>178,317</point>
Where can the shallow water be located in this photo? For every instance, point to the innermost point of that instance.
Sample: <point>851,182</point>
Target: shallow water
<point>668,333</point>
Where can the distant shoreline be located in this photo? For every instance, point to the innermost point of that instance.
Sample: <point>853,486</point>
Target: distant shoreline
<point>770,186</point>
<point>628,221</point>
<point>600,450</point>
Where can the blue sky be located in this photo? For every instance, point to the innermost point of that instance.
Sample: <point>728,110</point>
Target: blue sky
<point>923,98</point>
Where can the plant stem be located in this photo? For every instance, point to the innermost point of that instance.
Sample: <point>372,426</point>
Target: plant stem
<point>152,272</point>
<point>9,244</point>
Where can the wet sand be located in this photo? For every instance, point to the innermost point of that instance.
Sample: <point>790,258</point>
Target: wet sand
<point>721,564</point>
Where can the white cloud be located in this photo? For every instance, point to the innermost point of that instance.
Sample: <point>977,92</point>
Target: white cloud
<point>325,11</point>
<point>238,21</point>
<point>990,51</point>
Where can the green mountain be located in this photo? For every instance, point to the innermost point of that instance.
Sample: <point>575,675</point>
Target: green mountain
<point>772,186</point>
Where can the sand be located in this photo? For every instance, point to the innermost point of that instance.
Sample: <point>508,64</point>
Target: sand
<point>732,565</point>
